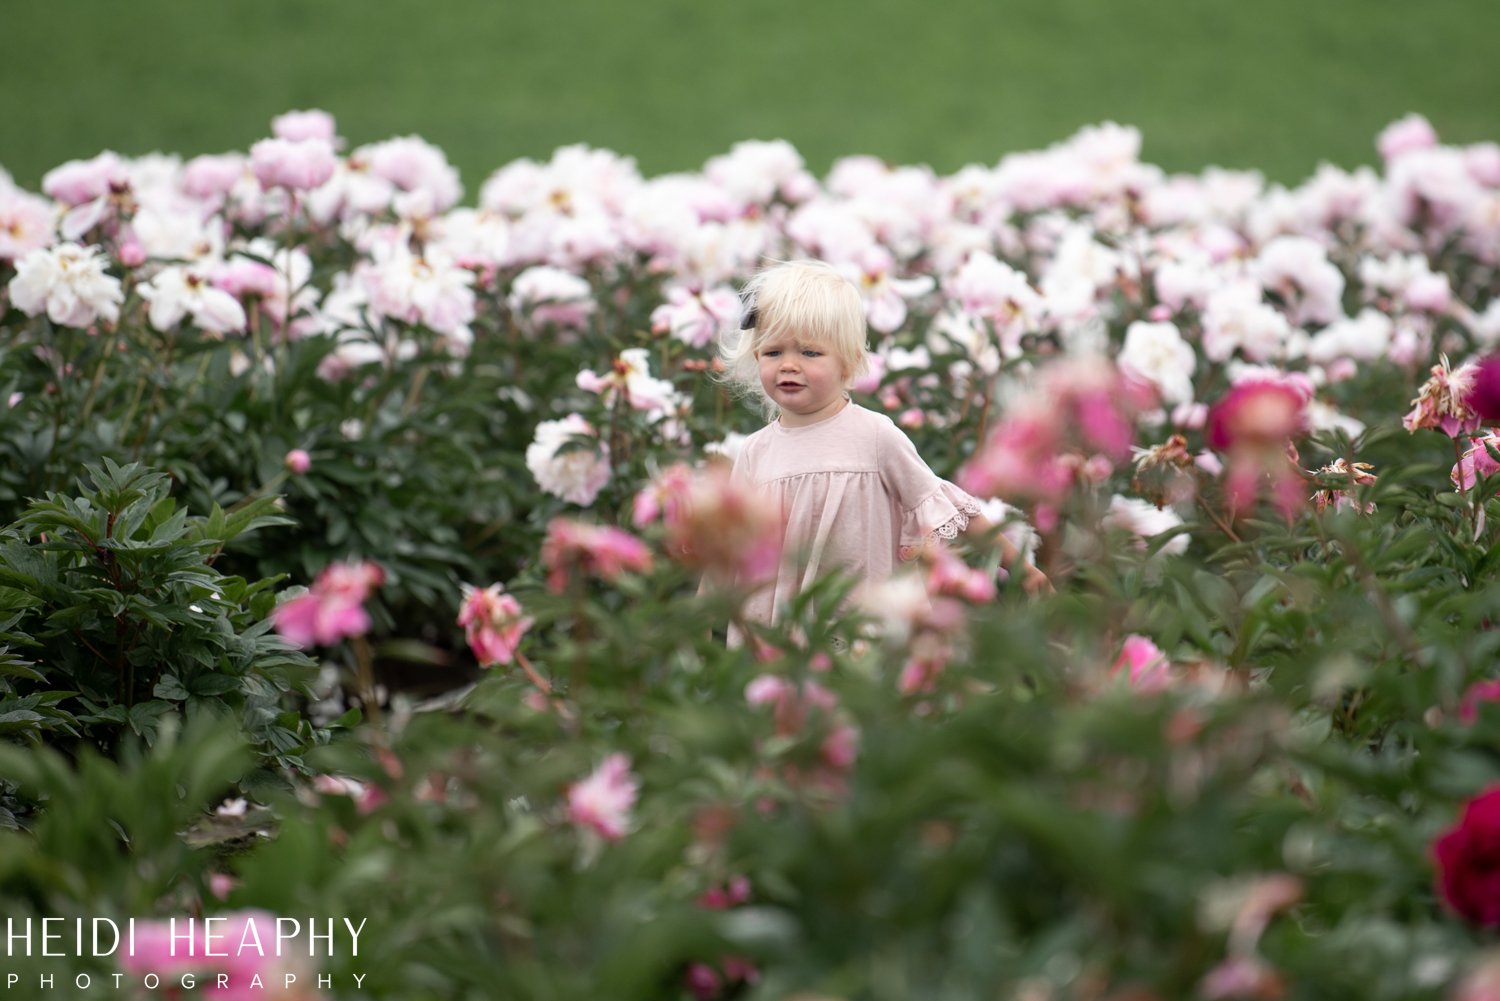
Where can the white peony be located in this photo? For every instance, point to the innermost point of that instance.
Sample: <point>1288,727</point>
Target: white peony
<point>1144,520</point>
<point>67,282</point>
<point>178,292</point>
<point>1157,353</point>
<point>576,475</point>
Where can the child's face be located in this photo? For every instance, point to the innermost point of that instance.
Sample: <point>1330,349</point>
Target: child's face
<point>803,380</point>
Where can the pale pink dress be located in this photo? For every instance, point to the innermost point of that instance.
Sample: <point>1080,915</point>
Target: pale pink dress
<point>853,493</point>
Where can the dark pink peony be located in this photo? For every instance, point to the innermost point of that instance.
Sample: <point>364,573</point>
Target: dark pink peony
<point>1483,397</point>
<point>1468,861</point>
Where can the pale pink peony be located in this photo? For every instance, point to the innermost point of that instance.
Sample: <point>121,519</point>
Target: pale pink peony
<point>79,182</point>
<point>598,550</point>
<point>602,802</point>
<point>493,624</point>
<point>1404,135</point>
<point>413,164</point>
<point>631,377</point>
<point>332,608</point>
<point>297,461</point>
<point>715,524</point>
<point>696,318</point>
<point>296,126</point>
<point>546,295</point>
<point>214,175</point>
<point>300,165</point>
<point>27,223</point>
<point>576,475</point>
<point>68,283</point>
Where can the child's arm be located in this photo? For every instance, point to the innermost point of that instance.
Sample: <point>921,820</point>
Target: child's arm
<point>1033,581</point>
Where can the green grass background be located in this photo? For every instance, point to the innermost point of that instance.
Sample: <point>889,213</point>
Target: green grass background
<point>1277,85</point>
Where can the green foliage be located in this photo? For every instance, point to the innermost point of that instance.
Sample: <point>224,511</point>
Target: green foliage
<point>114,619</point>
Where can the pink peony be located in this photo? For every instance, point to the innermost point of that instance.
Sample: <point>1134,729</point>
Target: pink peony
<point>1476,461</point>
<point>247,941</point>
<point>1257,412</point>
<point>297,461</point>
<point>1478,693</point>
<point>332,608</point>
<point>602,802</point>
<point>301,165</point>
<point>493,624</point>
<point>600,550</point>
<point>1442,402</point>
<point>1146,666</point>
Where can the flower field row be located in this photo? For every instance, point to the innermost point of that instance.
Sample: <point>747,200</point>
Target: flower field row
<point>1250,748</point>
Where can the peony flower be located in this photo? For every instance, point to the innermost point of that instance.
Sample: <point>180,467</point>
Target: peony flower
<point>696,318</point>
<point>246,940</point>
<point>631,376</point>
<point>1483,395</point>
<point>297,461</point>
<point>26,223</point>
<point>1478,693</point>
<point>296,126</point>
<point>1468,861</point>
<point>547,295</point>
<point>576,475</point>
<point>715,524</point>
<point>1145,665</point>
<point>1144,520</point>
<point>176,292</point>
<point>1476,461</point>
<point>600,550</point>
<point>493,624</point>
<point>68,283</point>
<point>602,802</point>
<point>300,165</point>
<point>332,608</point>
<point>413,164</point>
<point>1157,353</point>
<point>1257,412</point>
<point>1359,474</point>
<point>1404,135</point>
<point>1442,402</point>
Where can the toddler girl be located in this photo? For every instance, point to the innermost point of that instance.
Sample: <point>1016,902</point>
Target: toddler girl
<point>852,489</point>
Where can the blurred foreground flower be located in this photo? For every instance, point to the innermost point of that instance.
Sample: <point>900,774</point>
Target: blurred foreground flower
<point>602,802</point>
<point>598,550</point>
<point>1476,461</point>
<point>713,523</point>
<point>1468,861</point>
<point>254,967</point>
<point>1253,424</point>
<point>332,608</point>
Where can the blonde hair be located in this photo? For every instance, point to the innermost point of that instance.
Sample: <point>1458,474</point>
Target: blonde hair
<point>808,301</point>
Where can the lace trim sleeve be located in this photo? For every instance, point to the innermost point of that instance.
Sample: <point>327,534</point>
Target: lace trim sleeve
<point>965,508</point>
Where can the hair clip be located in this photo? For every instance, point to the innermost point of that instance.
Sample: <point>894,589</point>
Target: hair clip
<point>748,319</point>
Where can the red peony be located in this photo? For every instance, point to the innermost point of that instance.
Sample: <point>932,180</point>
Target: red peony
<point>1468,861</point>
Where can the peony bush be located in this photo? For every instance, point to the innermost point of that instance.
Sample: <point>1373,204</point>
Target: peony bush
<point>1248,749</point>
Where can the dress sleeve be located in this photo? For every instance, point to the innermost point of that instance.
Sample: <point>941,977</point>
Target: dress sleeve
<point>931,507</point>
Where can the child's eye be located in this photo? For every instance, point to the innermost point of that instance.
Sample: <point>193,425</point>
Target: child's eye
<point>770,354</point>
<point>809,352</point>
